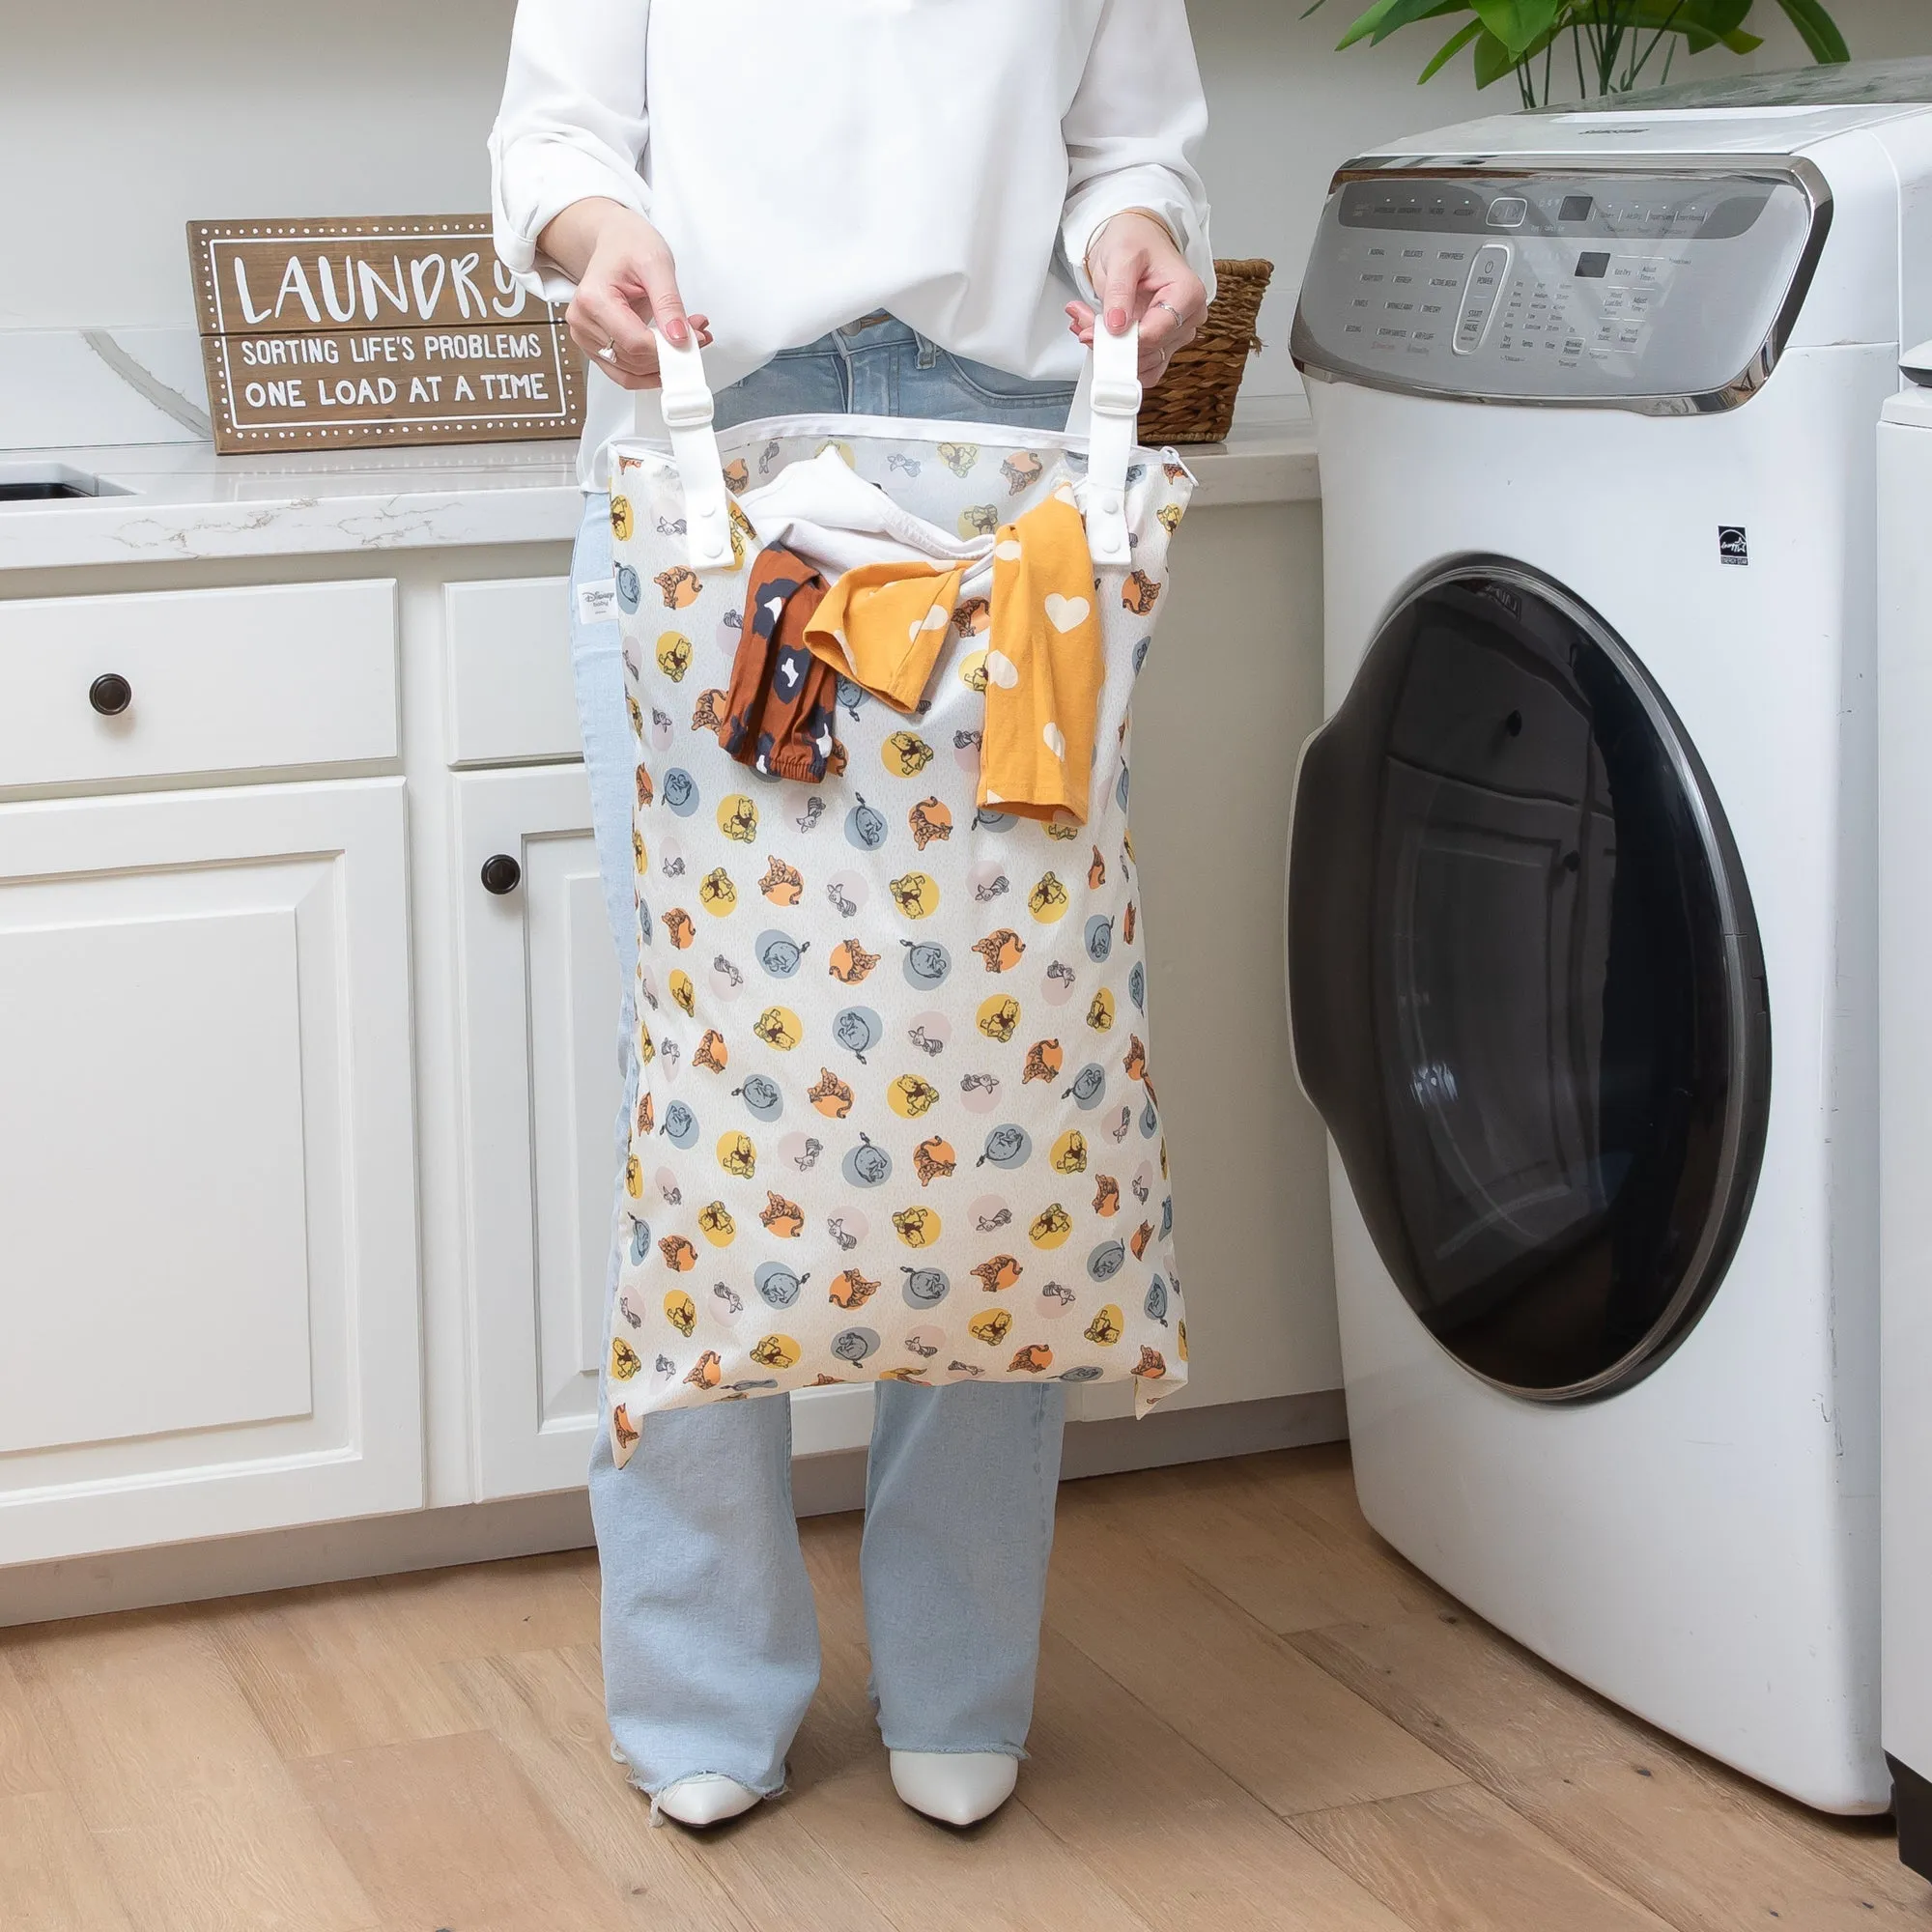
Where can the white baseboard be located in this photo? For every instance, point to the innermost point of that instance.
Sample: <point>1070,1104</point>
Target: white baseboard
<point>527,1526</point>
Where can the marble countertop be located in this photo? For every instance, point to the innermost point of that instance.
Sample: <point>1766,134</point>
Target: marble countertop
<point>178,500</point>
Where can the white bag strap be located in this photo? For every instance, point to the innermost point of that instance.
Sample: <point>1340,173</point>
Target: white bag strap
<point>688,411</point>
<point>687,407</point>
<point>1116,402</point>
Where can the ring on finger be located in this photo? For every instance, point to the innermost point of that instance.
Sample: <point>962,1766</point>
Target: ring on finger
<point>608,353</point>
<point>1160,302</point>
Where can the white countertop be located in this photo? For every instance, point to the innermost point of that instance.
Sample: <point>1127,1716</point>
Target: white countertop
<point>181,501</point>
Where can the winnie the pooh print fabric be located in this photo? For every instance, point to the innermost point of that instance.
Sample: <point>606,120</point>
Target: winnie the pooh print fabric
<point>897,1113</point>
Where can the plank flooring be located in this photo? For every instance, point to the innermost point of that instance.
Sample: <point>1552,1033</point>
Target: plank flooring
<point>1253,1716</point>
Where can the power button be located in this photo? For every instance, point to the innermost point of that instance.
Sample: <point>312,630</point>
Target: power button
<point>1479,298</point>
<point>1507,211</point>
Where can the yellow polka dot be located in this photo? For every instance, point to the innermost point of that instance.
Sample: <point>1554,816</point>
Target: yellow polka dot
<point>999,1016</point>
<point>738,818</point>
<point>779,1027</point>
<point>674,655</point>
<point>1048,900</point>
<point>1051,1226</point>
<point>915,894</point>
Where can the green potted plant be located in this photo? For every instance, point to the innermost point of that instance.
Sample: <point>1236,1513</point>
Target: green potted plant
<point>1612,43</point>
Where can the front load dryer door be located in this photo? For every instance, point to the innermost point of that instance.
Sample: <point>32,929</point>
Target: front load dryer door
<point>1525,986</point>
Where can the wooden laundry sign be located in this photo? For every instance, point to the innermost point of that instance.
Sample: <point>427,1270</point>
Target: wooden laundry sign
<point>358,332</point>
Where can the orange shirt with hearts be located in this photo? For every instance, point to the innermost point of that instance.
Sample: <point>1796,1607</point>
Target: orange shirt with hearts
<point>883,626</point>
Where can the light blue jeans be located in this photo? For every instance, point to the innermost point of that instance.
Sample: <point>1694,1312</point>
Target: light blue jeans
<point>710,1638</point>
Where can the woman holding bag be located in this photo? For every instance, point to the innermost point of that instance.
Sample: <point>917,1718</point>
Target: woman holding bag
<point>901,208</point>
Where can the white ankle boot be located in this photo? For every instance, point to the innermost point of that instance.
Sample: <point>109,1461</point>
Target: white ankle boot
<point>955,1787</point>
<point>705,1799</point>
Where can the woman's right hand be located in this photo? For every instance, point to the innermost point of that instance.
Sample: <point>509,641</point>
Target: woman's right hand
<point>624,275</point>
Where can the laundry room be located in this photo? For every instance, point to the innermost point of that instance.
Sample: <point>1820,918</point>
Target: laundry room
<point>512,985</point>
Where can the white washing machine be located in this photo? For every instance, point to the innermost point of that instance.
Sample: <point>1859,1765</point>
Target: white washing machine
<point>1582,921</point>
<point>1905,1113</point>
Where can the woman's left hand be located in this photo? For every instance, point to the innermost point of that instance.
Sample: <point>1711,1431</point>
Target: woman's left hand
<point>1140,276</point>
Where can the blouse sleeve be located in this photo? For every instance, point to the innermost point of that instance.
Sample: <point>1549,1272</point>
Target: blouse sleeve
<point>573,123</point>
<point>1133,130</point>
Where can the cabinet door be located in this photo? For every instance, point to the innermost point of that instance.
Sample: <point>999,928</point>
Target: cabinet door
<point>540,999</point>
<point>207,1270</point>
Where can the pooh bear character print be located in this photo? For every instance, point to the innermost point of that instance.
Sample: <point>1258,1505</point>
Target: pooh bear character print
<point>897,1118</point>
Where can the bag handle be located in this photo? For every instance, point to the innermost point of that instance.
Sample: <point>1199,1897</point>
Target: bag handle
<point>1115,404</point>
<point>1111,428</point>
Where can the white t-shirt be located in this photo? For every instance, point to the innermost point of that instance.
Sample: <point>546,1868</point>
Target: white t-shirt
<point>811,161</point>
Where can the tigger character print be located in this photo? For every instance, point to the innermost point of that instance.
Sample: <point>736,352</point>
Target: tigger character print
<point>972,617</point>
<point>851,1290</point>
<point>781,1217</point>
<point>1044,1060</point>
<point>1002,951</point>
<point>781,884</point>
<point>930,819</point>
<point>933,1159</point>
<point>999,1273</point>
<point>850,962</point>
<point>892,1116</point>
<point>1022,471</point>
<point>830,1094</point>
<point>679,586</point>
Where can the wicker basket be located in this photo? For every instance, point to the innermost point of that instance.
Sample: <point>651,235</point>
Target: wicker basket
<point>1194,402</point>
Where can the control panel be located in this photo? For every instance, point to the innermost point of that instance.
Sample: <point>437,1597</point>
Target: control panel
<point>1660,290</point>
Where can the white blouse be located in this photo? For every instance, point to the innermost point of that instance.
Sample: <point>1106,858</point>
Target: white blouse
<point>811,161</point>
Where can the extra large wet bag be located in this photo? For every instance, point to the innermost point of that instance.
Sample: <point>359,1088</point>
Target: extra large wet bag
<point>897,1113</point>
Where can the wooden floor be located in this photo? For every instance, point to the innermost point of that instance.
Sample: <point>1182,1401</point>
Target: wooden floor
<point>1252,1715</point>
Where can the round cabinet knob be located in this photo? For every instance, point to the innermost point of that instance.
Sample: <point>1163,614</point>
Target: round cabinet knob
<point>502,874</point>
<point>110,694</point>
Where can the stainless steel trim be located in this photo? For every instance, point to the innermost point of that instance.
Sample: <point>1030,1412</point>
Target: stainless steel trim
<point>1696,1291</point>
<point>1792,170</point>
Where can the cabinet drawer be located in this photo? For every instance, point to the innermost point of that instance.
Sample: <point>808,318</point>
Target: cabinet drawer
<point>511,699</point>
<point>257,679</point>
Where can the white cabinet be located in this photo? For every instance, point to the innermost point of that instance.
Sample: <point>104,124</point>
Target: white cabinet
<point>539,998</point>
<point>208,1248</point>
<point>157,684</point>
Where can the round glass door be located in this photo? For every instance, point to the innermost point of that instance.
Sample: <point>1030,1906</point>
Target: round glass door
<point>1525,986</point>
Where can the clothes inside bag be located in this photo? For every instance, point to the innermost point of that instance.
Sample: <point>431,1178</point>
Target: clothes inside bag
<point>884,620</point>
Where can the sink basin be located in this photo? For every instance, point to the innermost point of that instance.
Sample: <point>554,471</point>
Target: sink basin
<point>51,482</point>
